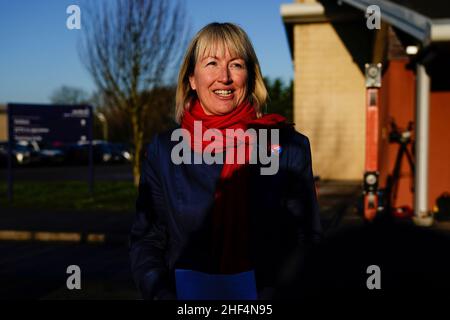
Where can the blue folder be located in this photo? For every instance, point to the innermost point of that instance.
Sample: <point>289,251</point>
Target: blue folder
<point>195,285</point>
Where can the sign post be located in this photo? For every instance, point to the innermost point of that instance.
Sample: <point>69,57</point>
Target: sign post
<point>10,158</point>
<point>48,124</point>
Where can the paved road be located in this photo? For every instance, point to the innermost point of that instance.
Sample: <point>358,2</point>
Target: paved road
<point>412,260</point>
<point>38,271</point>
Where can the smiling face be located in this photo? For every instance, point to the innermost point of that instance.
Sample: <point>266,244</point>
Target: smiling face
<point>220,81</point>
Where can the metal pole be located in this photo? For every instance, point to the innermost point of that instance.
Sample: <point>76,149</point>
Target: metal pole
<point>422,141</point>
<point>11,141</point>
<point>371,170</point>
<point>91,151</point>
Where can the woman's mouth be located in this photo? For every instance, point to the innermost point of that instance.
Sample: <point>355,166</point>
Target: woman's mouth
<point>223,93</point>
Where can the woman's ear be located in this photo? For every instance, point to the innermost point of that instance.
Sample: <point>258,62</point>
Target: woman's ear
<point>192,82</point>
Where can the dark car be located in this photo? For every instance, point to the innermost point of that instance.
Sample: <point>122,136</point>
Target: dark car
<point>122,150</point>
<point>48,153</point>
<point>22,154</point>
<point>52,154</point>
<point>103,153</point>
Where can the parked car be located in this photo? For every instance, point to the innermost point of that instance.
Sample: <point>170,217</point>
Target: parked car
<point>48,154</point>
<point>22,154</point>
<point>104,152</point>
<point>52,156</point>
<point>123,150</point>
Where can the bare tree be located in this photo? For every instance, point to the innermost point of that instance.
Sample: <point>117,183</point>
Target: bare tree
<point>69,95</point>
<point>129,48</point>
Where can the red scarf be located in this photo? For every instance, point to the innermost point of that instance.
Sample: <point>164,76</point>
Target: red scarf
<point>230,216</point>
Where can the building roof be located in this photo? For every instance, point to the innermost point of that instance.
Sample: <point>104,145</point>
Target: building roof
<point>427,21</point>
<point>433,9</point>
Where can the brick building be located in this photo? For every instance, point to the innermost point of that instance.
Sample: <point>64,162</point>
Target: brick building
<point>330,43</point>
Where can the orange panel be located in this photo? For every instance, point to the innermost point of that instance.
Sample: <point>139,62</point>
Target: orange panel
<point>398,101</point>
<point>439,148</point>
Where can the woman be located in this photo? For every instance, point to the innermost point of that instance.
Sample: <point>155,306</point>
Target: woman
<point>230,216</point>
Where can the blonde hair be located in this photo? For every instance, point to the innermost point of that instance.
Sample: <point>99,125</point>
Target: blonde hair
<point>220,36</point>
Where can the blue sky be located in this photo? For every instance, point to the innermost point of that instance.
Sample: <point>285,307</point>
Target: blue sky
<point>38,53</point>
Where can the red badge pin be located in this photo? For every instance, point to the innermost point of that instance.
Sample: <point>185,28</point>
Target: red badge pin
<point>275,149</point>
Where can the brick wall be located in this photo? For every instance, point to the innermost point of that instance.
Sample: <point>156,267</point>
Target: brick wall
<point>329,102</point>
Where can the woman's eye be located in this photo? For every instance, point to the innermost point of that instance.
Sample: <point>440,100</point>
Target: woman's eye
<point>211,63</point>
<point>237,65</point>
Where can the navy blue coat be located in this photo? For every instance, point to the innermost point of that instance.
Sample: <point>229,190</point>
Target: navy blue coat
<point>175,201</point>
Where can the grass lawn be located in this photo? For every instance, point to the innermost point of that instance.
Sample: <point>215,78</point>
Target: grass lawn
<point>71,195</point>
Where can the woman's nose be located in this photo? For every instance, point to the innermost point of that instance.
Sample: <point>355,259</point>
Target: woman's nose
<point>224,75</point>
